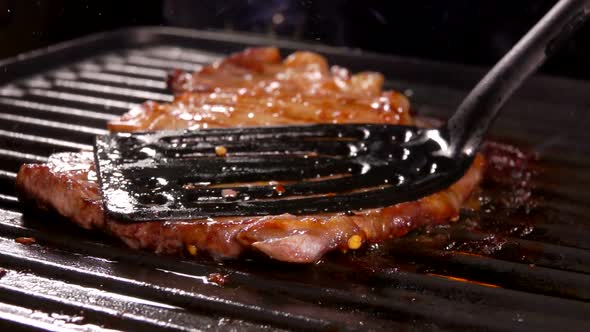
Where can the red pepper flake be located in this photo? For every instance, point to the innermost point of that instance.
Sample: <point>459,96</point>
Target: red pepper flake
<point>25,240</point>
<point>217,278</point>
<point>2,272</point>
<point>280,189</point>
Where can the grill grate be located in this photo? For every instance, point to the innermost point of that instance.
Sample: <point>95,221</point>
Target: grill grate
<point>532,276</point>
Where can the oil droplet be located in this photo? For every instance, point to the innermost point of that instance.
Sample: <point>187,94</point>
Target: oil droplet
<point>433,168</point>
<point>405,154</point>
<point>366,133</point>
<point>353,150</point>
<point>155,182</point>
<point>408,136</point>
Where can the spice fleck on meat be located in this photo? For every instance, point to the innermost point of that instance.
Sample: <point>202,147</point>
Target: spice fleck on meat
<point>192,249</point>
<point>220,151</point>
<point>355,241</point>
<point>280,189</point>
<point>25,240</point>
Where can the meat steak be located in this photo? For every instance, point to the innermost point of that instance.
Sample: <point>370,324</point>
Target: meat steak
<point>254,87</point>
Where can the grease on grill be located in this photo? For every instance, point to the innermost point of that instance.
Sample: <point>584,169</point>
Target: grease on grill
<point>464,280</point>
<point>217,278</point>
<point>482,231</point>
<point>512,168</point>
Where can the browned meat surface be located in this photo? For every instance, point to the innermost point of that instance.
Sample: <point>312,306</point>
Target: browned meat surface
<point>67,183</point>
<point>254,87</point>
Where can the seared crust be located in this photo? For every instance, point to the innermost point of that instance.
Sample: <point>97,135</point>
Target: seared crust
<point>67,184</point>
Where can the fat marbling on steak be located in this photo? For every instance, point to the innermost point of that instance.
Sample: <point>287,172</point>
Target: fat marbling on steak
<point>252,88</point>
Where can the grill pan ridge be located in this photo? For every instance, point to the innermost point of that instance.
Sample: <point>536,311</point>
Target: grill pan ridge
<point>535,278</point>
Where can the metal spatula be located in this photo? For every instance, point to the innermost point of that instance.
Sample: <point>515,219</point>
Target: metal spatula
<point>317,168</point>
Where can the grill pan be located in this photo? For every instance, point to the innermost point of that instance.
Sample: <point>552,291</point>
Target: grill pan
<point>513,270</point>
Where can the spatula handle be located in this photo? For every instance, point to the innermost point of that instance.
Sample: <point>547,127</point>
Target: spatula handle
<point>466,128</point>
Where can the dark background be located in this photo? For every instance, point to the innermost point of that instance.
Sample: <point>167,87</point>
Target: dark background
<point>461,31</point>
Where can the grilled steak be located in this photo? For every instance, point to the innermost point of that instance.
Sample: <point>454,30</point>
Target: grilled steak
<point>251,88</point>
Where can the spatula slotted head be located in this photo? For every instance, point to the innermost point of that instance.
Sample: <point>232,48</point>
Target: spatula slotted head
<point>179,175</point>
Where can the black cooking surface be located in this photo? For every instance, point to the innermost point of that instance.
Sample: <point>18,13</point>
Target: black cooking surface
<point>519,263</point>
